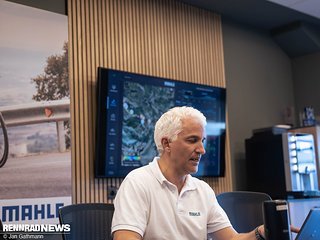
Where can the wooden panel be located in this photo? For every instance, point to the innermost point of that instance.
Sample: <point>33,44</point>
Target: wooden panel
<point>162,38</point>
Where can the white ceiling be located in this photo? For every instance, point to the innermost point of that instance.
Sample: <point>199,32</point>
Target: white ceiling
<point>310,7</point>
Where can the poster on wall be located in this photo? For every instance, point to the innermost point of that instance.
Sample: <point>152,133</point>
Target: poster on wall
<point>35,158</point>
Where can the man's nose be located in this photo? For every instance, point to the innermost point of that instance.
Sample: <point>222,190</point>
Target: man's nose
<point>201,149</point>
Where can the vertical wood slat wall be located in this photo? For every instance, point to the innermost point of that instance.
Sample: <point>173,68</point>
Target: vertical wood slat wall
<point>163,38</point>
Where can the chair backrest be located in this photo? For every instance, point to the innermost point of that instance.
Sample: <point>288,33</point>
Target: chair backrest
<point>244,209</point>
<point>1,230</point>
<point>88,221</point>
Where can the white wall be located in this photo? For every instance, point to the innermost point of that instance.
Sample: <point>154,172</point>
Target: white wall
<point>259,88</point>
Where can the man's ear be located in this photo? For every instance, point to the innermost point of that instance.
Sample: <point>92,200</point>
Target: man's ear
<point>165,144</point>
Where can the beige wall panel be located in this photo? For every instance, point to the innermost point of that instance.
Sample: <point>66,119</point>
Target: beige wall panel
<point>163,38</point>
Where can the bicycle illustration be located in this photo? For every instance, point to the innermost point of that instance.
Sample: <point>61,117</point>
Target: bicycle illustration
<point>4,142</point>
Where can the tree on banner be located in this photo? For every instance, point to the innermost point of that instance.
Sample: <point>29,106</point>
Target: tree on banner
<point>53,83</point>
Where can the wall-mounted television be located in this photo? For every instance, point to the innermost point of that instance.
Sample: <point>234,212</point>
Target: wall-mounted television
<point>128,106</point>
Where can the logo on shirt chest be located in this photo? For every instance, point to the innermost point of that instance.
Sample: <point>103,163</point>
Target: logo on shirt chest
<point>194,214</point>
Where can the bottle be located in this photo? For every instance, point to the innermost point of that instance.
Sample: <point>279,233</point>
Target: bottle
<point>276,220</point>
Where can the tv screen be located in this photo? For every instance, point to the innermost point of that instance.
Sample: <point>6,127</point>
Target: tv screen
<point>129,105</point>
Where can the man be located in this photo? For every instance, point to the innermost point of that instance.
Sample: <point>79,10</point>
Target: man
<point>162,200</point>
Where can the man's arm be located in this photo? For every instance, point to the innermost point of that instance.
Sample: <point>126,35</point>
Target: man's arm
<point>230,233</point>
<point>126,235</point>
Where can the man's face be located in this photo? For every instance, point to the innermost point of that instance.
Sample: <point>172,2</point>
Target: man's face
<point>186,150</point>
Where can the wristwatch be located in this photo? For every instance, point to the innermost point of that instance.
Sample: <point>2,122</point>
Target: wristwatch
<point>258,235</point>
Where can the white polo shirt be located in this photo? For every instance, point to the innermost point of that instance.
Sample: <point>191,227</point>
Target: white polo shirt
<point>147,203</point>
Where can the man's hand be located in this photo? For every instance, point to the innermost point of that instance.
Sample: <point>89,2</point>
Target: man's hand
<point>294,229</point>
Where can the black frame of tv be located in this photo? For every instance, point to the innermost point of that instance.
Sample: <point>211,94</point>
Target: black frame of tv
<point>114,90</point>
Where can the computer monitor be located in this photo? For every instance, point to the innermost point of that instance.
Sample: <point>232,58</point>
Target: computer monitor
<point>128,106</point>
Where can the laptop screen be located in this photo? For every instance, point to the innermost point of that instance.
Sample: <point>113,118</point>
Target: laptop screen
<point>311,226</point>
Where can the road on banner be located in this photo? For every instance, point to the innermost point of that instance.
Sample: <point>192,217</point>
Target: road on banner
<point>44,175</point>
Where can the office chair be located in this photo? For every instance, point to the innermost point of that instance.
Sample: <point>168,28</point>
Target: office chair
<point>1,230</point>
<point>89,221</point>
<point>244,209</point>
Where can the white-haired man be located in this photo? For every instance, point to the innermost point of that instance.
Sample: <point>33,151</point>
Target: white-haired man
<point>162,200</point>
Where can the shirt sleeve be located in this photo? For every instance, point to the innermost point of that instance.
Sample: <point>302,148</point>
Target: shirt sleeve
<point>217,218</point>
<point>131,207</point>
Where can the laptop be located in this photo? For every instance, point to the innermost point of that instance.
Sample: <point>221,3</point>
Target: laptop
<point>311,226</point>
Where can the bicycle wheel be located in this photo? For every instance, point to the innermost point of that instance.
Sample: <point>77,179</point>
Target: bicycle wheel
<point>4,143</point>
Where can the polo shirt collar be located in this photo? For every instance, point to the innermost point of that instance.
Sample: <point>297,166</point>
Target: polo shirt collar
<point>156,170</point>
